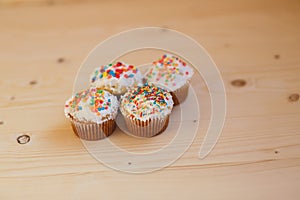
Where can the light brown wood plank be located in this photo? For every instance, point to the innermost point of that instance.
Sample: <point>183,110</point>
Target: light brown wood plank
<point>42,44</point>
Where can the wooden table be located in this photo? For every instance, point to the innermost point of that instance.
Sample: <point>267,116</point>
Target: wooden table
<point>256,45</point>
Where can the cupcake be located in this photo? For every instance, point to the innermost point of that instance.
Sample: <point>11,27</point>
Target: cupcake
<point>92,113</point>
<point>146,110</point>
<point>172,74</point>
<point>116,77</point>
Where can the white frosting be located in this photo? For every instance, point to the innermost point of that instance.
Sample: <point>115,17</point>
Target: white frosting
<point>117,77</point>
<point>85,106</point>
<point>146,105</point>
<point>169,72</point>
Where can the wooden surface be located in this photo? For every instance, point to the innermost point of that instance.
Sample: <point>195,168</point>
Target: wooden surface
<point>42,45</point>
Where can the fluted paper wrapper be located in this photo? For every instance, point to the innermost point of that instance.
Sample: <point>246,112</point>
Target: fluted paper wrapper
<point>93,131</point>
<point>180,94</point>
<point>148,128</point>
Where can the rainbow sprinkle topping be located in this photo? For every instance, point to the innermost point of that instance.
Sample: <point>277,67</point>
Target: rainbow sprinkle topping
<point>116,70</point>
<point>169,71</point>
<point>146,101</point>
<point>94,99</point>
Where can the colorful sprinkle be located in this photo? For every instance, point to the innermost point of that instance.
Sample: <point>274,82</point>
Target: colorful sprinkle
<point>116,70</point>
<point>166,69</point>
<point>146,100</point>
<point>97,102</point>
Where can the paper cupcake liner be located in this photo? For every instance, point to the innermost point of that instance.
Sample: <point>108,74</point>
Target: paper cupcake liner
<point>180,94</point>
<point>93,131</point>
<point>147,128</point>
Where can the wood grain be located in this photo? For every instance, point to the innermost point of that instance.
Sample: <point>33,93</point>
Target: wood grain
<point>258,154</point>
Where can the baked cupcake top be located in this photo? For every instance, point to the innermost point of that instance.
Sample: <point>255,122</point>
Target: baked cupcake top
<point>92,105</point>
<point>169,72</point>
<point>146,102</point>
<point>116,77</point>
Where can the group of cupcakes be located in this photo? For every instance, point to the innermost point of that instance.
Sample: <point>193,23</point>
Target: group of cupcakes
<point>145,101</point>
